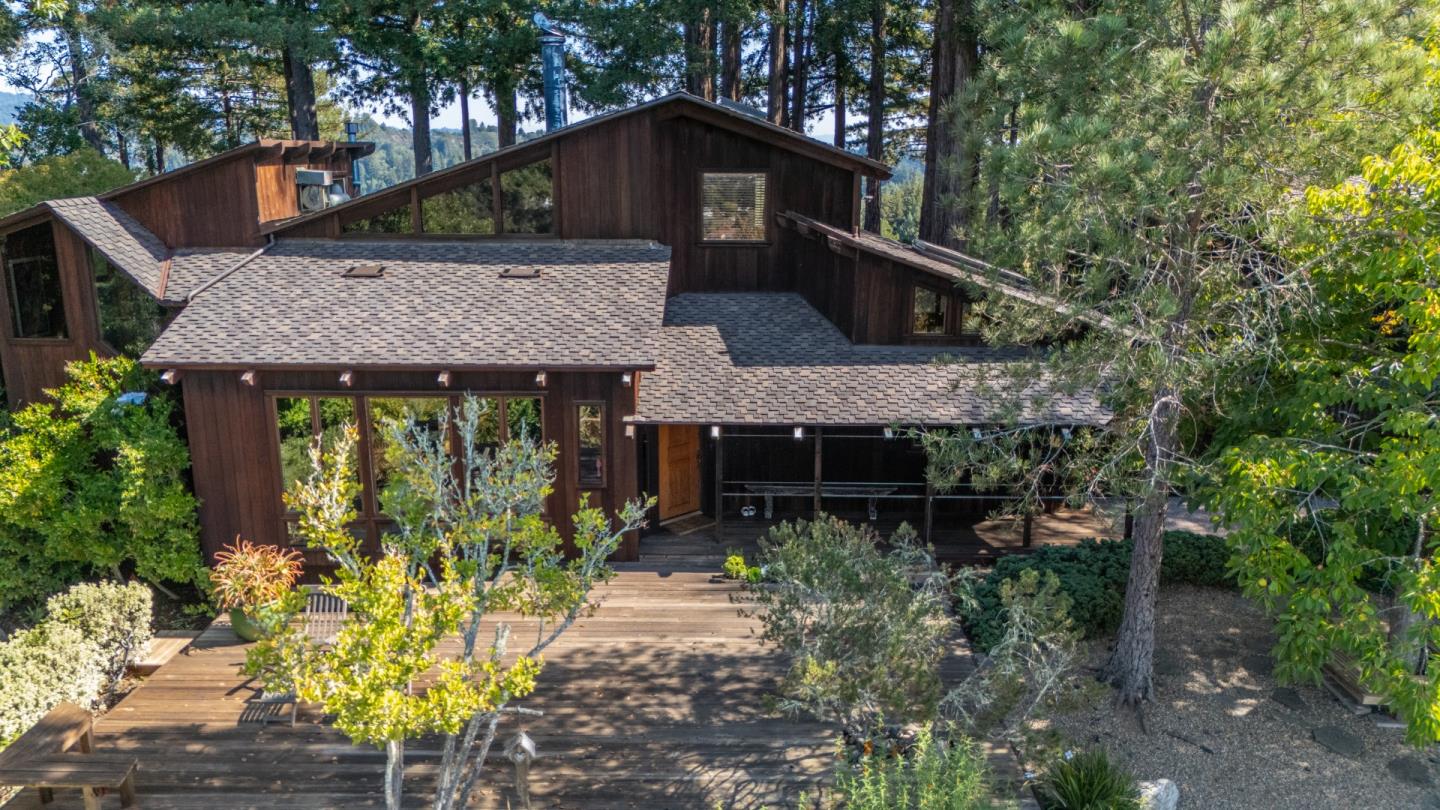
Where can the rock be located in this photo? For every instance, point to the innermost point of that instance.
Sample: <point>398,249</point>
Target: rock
<point>1409,769</point>
<point>1161,794</point>
<point>1339,740</point>
<point>1288,698</point>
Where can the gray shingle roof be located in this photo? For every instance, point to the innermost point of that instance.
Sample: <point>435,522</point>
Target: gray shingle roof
<point>438,305</point>
<point>771,358</point>
<point>192,267</point>
<point>124,242</point>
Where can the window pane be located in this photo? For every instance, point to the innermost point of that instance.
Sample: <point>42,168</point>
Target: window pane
<point>522,417</point>
<point>292,417</point>
<point>487,427</point>
<point>393,221</point>
<point>386,412</point>
<point>525,197</point>
<point>929,315</point>
<point>468,210</point>
<point>129,318</point>
<point>970,322</point>
<point>592,445</point>
<point>732,206</point>
<point>32,280</point>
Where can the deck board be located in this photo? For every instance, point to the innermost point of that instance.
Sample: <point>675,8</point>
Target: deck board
<point>655,701</point>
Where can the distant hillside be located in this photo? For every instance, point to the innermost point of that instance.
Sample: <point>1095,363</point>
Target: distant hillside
<point>10,104</point>
<point>393,160</point>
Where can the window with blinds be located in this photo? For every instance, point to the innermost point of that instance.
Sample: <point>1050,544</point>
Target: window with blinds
<point>732,206</point>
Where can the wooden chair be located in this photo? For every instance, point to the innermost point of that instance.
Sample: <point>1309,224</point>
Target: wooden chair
<point>43,758</point>
<point>324,616</point>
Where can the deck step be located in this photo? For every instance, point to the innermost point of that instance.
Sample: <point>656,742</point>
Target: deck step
<point>166,645</point>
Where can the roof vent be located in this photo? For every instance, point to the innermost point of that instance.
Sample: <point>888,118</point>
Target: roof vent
<point>520,272</point>
<point>365,271</point>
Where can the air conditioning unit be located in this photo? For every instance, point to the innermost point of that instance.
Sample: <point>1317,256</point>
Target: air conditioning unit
<point>319,189</point>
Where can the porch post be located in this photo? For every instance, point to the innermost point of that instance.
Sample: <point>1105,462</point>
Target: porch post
<point>1027,531</point>
<point>818,440</point>
<point>929,507</point>
<point>720,486</point>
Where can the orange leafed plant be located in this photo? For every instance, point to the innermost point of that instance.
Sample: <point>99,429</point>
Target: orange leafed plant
<point>247,575</point>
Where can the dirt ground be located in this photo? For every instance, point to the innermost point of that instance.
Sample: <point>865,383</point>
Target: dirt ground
<point>1217,730</point>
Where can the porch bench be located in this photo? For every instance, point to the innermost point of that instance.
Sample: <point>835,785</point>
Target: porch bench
<point>43,758</point>
<point>871,494</point>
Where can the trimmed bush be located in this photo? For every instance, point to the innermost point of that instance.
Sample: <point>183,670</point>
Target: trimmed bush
<point>116,617</point>
<point>1087,781</point>
<point>1093,574</point>
<point>74,655</point>
<point>39,668</point>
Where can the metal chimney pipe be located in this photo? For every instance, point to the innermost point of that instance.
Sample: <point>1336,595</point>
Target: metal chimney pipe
<point>552,62</point>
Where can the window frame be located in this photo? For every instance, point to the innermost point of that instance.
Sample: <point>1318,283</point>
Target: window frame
<point>700,209</point>
<point>9,317</point>
<point>947,301</point>
<point>581,484</point>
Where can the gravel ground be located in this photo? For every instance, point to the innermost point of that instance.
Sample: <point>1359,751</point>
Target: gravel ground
<point>1216,730</point>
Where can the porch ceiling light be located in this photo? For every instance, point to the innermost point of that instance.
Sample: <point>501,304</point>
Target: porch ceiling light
<point>889,433</point>
<point>1065,432</point>
<point>714,431</point>
<point>540,379</point>
<point>443,378</point>
<point>248,378</point>
<point>629,431</point>
<point>799,432</point>
<point>346,378</point>
<point>626,378</point>
<point>170,377</point>
<point>975,434</point>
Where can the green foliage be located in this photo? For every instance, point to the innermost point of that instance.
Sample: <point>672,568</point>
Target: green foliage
<point>115,617</point>
<point>933,775</point>
<point>863,638</point>
<point>1093,576</point>
<point>247,576</point>
<point>1087,781</point>
<point>900,208</point>
<point>89,484</point>
<point>1328,470</point>
<point>77,174</point>
<point>735,566</point>
<point>470,539</point>
<point>91,634</point>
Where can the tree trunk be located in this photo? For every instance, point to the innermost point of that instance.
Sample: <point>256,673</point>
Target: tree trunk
<point>875,141</point>
<point>700,54</point>
<point>122,146</point>
<point>158,166</point>
<point>731,76</point>
<point>80,81</point>
<point>420,126</point>
<point>952,170</point>
<point>394,773</point>
<point>800,68</point>
<point>465,138</point>
<point>505,115</point>
<point>300,94</point>
<point>840,100</point>
<point>777,110</point>
<point>1131,665</point>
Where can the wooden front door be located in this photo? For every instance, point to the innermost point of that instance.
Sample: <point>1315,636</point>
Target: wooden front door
<point>679,470</point>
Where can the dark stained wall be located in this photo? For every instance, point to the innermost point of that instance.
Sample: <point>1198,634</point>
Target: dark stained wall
<point>235,449</point>
<point>215,207</point>
<point>32,365</point>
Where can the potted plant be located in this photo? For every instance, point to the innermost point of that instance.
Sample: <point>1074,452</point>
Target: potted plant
<point>248,578</point>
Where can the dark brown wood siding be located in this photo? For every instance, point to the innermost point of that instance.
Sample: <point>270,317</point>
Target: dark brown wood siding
<point>32,365</point>
<point>235,450</point>
<point>216,207</point>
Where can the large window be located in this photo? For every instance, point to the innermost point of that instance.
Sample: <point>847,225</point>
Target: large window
<point>32,283</point>
<point>299,419</point>
<point>467,210</point>
<point>130,319</point>
<point>591,458</point>
<point>394,221</point>
<point>732,206</point>
<point>525,196</point>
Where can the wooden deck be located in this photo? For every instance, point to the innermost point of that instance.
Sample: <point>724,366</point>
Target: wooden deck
<point>657,701</point>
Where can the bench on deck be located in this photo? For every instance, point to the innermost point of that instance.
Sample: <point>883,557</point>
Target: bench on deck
<point>871,494</point>
<point>58,752</point>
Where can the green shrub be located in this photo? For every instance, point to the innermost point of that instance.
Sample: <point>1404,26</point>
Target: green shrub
<point>116,617</point>
<point>754,575</point>
<point>41,667</point>
<point>931,776</point>
<point>735,567</point>
<point>1087,781</point>
<point>1094,574</point>
<point>74,655</point>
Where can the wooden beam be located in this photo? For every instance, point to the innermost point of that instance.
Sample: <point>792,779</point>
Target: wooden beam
<point>818,442</point>
<point>322,152</point>
<point>416,225</point>
<point>296,153</point>
<point>719,486</point>
<point>929,508</point>
<point>1027,530</point>
<point>497,211</point>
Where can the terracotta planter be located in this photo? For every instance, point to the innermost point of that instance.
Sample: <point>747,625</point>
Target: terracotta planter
<point>244,626</point>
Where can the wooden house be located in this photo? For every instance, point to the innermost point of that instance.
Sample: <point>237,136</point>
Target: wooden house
<point>678,295</point>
